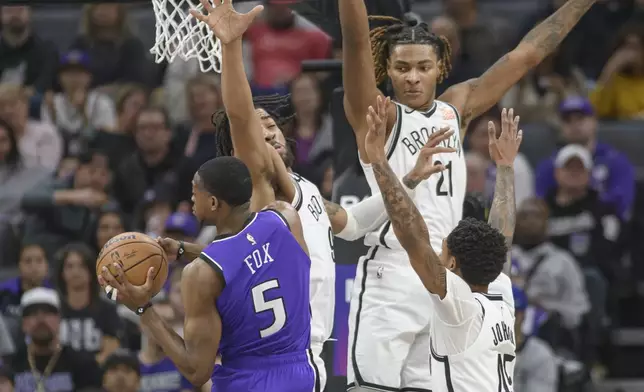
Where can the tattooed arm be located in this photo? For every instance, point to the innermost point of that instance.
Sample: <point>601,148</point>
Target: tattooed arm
<point>410,229</point>
<point>474,97</point>
<point>504,210</point>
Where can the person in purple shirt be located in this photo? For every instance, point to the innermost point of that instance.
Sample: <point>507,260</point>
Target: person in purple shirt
<point>613,176</point>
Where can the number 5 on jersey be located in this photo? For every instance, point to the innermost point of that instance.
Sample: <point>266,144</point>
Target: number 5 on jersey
<point>275,305</point>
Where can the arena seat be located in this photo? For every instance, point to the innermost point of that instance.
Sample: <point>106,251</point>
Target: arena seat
<point>628,137</point>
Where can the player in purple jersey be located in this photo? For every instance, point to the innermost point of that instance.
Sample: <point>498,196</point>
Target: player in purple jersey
<point>246,293</point>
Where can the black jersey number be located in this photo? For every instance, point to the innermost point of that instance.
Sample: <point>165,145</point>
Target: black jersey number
<point>440,189</point>
<point>505,378</point>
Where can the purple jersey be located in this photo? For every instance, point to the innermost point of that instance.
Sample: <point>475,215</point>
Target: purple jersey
<point>163,376</point>
<point>264,305</point>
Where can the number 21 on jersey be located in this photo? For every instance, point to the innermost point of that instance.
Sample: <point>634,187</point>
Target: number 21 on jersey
<point>274,305</point>
<point>444,185</point>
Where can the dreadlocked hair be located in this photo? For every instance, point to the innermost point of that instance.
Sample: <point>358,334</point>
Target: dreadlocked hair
<point>277,106</point>
<point>396,32</point>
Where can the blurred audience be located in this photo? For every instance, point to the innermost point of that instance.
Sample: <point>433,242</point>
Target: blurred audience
<point>39,142</point>
<point>612,175</point>
<point>204,99</point>
<point>121,372</point>
<point>116,55</point>
<point>462,68</point>
<point>25,58</point>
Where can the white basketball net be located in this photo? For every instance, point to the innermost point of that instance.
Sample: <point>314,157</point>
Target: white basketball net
<point>179,34</point>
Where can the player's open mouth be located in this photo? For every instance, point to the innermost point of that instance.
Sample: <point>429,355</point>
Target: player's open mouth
<point>280,149</point>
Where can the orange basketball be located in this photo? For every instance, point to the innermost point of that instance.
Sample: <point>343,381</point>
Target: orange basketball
<point>136,253</point>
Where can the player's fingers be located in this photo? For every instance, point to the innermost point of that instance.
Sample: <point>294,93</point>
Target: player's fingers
<point>491,132</point>
<point>436,169</point>
<point>439,150</point>
<point>520,136</point>
<point>374,115</point>
<point>207,6</point>
<point>255,11</point>
<point>198,15</point>
<point>149,278</point>
<point>515,126</point>
<point>109,279</point>
<point>370,126</point>
<point>119,274</point>
<point>504,121</point>
<point>439,136</point>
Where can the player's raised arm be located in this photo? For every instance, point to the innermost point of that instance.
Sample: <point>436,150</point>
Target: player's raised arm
<point>369,214</point>
<point>503,150</point>
<point>474,97</point>
<point>246,129</point>
<point>289,213</point>
<point>195,353</point>
<point>358,75</point>
<point>409,226</point>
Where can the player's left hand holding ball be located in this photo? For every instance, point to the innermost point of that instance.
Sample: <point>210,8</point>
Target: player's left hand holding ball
<point>227,24</point>
<point>122,290</point>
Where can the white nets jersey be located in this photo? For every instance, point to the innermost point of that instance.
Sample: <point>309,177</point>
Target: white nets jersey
<point>319,239</point>
<point>488,364</point>
<point>440,198</point>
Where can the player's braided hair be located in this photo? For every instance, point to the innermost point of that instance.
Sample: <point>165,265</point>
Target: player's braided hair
<point>277,106</point>
<point>396,32</point>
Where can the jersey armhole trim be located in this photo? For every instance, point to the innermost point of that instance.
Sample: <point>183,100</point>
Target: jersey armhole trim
<point>214,265</point>
<point>396,131</point>
<point>279,215</point>
<point>299,196</point>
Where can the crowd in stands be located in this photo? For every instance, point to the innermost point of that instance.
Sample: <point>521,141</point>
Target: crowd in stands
<point>96,140</point>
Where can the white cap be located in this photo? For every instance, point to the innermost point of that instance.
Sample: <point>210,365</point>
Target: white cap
<point>40,296</point>
<point>574,151</point>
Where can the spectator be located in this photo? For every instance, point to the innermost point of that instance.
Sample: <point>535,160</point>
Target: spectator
<point>32,272</point>
<point>204,99</point>
<point>25,59</point>
<point>7,379</point>
<point>536,369</point>
<point>58,368</point>
<point>119,142</point>
<point>537,96</point>
<point>279,44</point>
<point>63,211</point>
<point>612,176</point>
<point>110,223</point>
<point>476,165</point>
<point>579,221</point>
<point>175,97</point>
<point>478,142</point>
<point>620,87</point>
<point>154,164</point>
<point>78,111</point>
<point>158,372</point>
<point>312,129</point>
<point>89,323</point>
<point>182,226</point>
<point>117,56</point>
<point>552,279</point>
<point>7,347</point>
<point>121,372</point>
<point>462,67</point>
<point>484,38</point>
<point>39,142</point>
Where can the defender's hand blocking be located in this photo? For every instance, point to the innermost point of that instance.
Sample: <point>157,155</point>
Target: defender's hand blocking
<point>425,167</point>
<point>376,124</point>
<point>118,288</point>
<point>226,23</point>
<point>505,148</point>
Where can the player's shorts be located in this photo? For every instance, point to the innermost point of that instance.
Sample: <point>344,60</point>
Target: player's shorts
<point>316,351</point>
<point>389,319</point>
<point>277,373</point>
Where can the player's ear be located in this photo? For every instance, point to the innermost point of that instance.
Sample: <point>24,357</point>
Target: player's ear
<point>214,203</point>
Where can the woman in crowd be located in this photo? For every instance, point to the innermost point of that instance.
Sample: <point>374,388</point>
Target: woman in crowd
<point>89,323</point>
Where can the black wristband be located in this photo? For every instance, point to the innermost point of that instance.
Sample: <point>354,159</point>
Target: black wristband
<point>140,310</point>
<point>181,250</point>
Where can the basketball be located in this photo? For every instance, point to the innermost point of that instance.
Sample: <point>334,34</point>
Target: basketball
<point>136,253</point>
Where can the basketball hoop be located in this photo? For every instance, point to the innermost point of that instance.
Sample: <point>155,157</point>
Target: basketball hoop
<point>179,34</point>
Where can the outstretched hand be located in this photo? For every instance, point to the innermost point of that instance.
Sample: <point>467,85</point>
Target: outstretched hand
<point>425,167</point>
<point>376,127</point>
<point>505,148</point>
<point>115,283</point>
<point>227,24</point>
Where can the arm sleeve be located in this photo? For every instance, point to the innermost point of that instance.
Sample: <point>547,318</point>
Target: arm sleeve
<point>38,198</point>
<point>366,216</point>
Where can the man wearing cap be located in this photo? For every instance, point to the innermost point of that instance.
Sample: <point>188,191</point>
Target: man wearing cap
<point>612,176</point>
<point>580,221</point>
<point>536,367</point>
<point>43,365</point>
<point>121,372</point>
<point>182,226</point>
<point>78,110</point>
